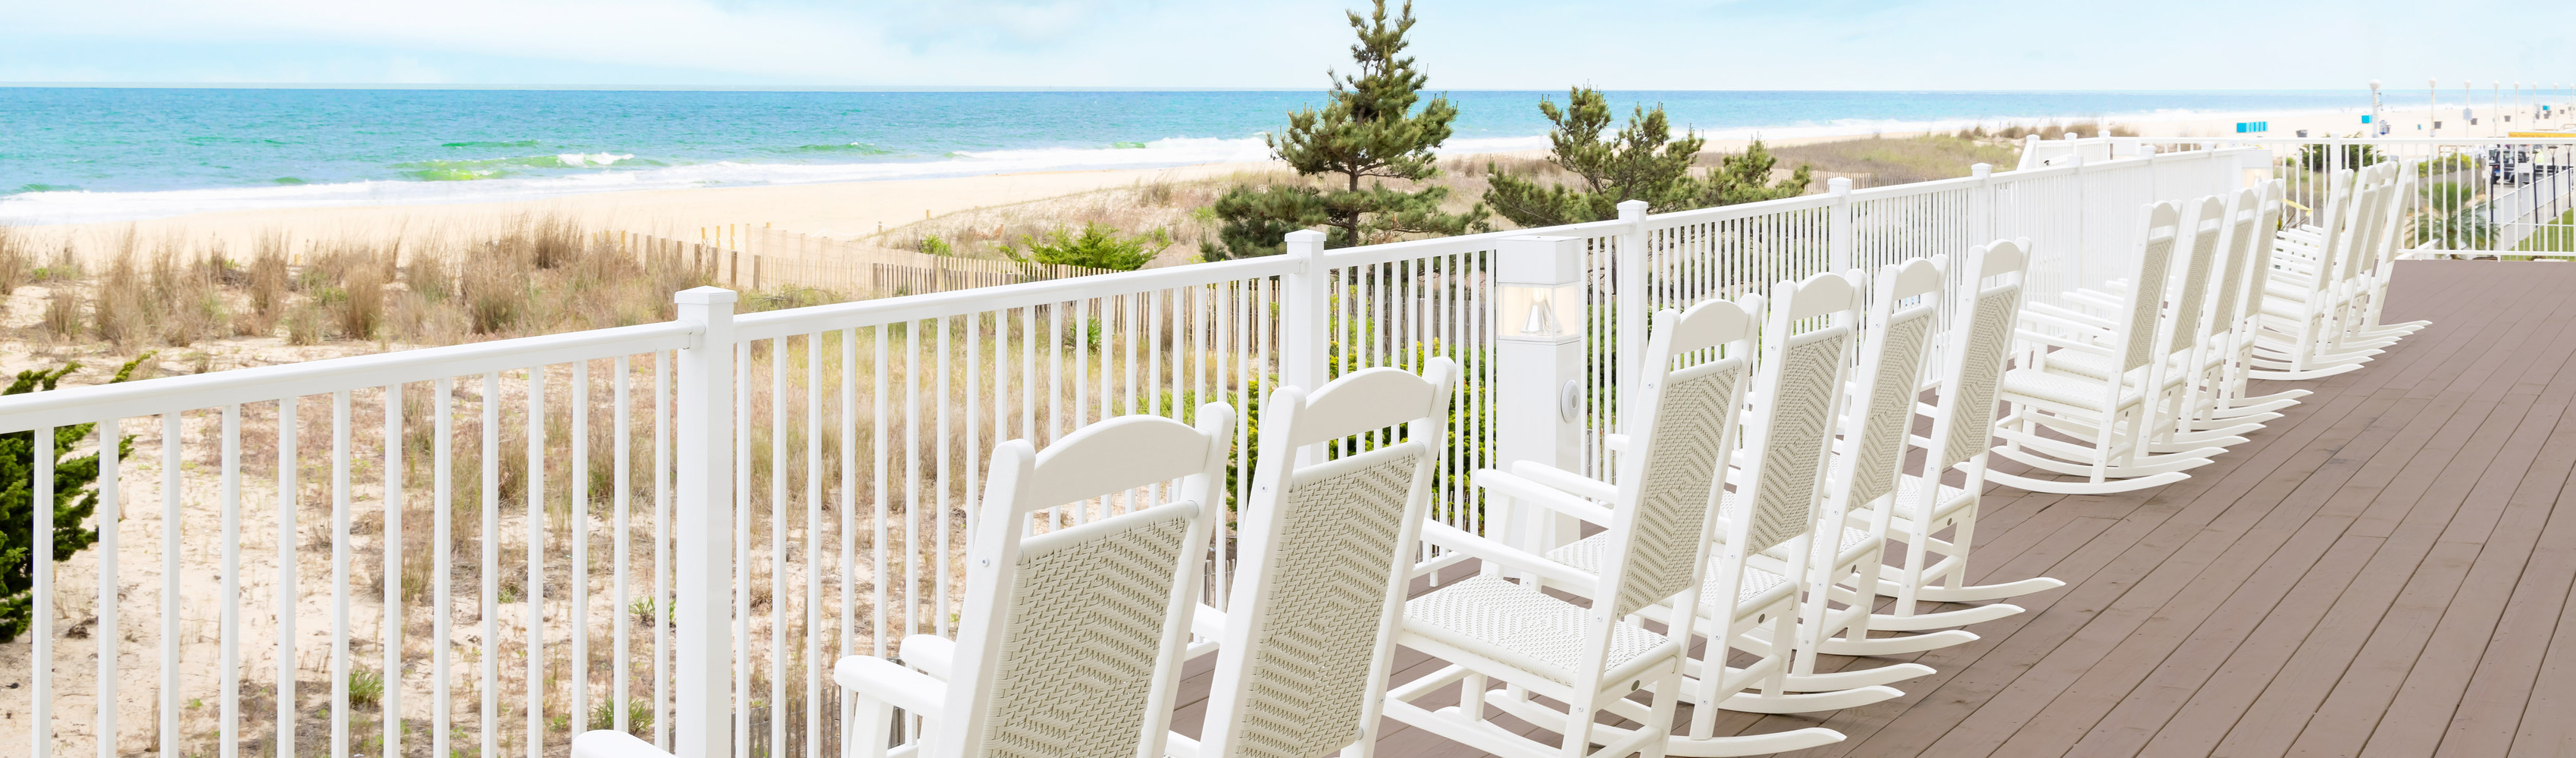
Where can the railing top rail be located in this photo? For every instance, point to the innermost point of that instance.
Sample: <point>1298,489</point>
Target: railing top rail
<point>862,313</point>
<point>78,405</point>
<point>2234,139</point>
<point>1368,255</point>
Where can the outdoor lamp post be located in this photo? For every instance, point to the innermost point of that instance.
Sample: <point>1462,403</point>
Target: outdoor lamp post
<point>1538,352</point>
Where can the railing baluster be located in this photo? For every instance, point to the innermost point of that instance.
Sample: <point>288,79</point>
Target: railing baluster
<point>489,553</point>
<point>40,661</point>
<point>340,574</point>
<point>442,505</point>
<point>109,515</point>
<point>287,484</point>
<point>389,703</point>
<point>171,548</point>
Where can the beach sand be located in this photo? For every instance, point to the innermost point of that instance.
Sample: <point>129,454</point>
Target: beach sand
<point>839,210</point>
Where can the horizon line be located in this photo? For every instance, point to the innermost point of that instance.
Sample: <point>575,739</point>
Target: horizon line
<point>575,87</point>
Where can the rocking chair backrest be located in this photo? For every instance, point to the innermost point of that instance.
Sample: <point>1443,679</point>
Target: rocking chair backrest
<point>2393,225</point>
<point>2258,259</point>
<point>2237,245</point>
<point>2205,226</point>
<point>1071,639</point>
<point>1325,557</point>
<point>1903,311</point>
<point>1659,548</point>
<point>2135,342</point>
<point>1806,346</point>
<point>1973,361</point>
<point>2375,204</point>
<point>2338,228</point>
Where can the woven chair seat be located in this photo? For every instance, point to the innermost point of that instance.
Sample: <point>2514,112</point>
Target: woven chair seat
<point>2052,387</point>
<point>2097,366</point>
<point>1589,553</point>
<point>1909,500</point>
<point>1515,624</point>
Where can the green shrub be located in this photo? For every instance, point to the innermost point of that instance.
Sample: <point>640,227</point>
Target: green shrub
<point>75,497</point>
<point>933,245</point>
<point>1096,246</point>
<point>366,686</point>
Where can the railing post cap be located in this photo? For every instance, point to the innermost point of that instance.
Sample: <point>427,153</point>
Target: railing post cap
<point>1305,235</point>
<point>1981,170</point>
<point>1838,185</point>
<point>704,296</point>
<point>1632,209</point>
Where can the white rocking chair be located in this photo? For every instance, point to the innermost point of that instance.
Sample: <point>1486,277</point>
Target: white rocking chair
<point>2303,295</point>
<point>1071,641</point>
<point>1972,366</point>
<point>1654,551</point>
<point>1904,315</point>
<point>1308,635</point>
<point>2217,396</point>
<point>2111,417</point>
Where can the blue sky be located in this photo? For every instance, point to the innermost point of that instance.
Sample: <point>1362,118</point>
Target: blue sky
<point>1465,44</point>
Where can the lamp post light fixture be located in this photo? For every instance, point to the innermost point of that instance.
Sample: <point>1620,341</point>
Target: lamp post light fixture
<point>1540,324</point>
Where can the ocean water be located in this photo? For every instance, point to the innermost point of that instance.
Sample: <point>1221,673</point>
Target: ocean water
<point>105,154</point>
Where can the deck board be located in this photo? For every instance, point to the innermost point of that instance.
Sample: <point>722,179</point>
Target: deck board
<point>2382,571</point>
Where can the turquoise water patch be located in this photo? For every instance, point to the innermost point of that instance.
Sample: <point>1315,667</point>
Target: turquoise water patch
<point>504,143</point>
<point>495,168</point>
<point>455,174</point>
<point>852,148</point>
<point>288,180</point>
<point>45,188</point>
<point>1127,145</point>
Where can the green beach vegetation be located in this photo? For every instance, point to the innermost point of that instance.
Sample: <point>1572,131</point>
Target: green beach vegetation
<point>1642,161</point>
<point>1369,131</point>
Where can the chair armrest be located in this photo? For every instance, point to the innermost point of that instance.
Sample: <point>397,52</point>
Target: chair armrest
<point>1208,622</point>
<point>2062,343</point>
<point>1552,498</point>
<point>610,743</point>
<point>883,681</point>
<point>1568,481</point>
<point>930,654</point>
<point>1495,552</point>
<point>2065,315</point>
<point>2102,300</point>
<point>1616,442</point>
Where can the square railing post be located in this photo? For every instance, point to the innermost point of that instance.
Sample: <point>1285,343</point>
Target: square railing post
<point>705,520</point>
<point>1305,303</point>
<point>1629,304</point>
<point>1981,206</point>
<point>1838,228</point>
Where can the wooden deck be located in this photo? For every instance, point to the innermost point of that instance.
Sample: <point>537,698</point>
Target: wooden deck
<point>2377,573</point>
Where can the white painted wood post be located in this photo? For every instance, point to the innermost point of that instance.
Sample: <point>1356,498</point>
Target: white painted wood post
<point>1981,206</point>
<point>1838,230</point>
<point>2153,189</point>
<point>1539,372</point>
<point>1629,292</point>
<point>705,515</point>
<point>1305,304</point>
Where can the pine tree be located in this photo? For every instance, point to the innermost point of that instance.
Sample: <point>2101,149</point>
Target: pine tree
<point>1746,177</point>
<point>1369,132</point>
<point>75,498</point>
<point>1642,161</point>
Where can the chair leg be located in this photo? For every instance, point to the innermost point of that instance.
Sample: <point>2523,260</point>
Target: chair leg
<point>872,726</point>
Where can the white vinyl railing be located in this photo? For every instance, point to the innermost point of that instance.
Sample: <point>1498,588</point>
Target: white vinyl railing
<point>2505,195</point>
<point>674,528</point>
